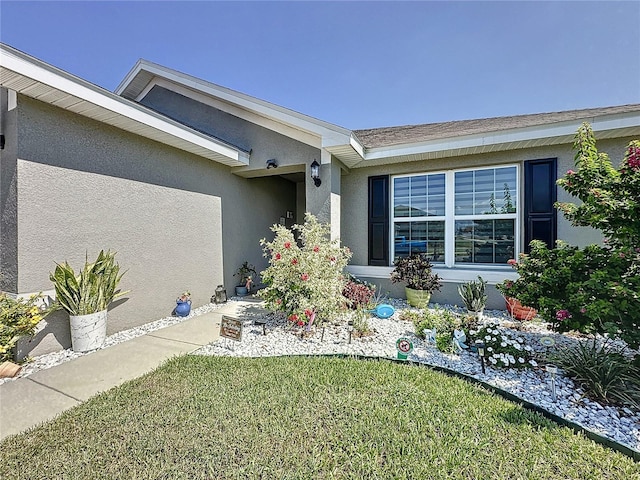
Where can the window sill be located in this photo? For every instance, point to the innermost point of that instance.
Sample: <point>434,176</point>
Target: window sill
<point>492,274</point>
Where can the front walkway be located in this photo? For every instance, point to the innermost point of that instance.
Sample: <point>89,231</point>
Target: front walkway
<point>27,402</point>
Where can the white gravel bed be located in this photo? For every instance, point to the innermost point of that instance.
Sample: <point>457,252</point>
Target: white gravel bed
<point>532,385</point>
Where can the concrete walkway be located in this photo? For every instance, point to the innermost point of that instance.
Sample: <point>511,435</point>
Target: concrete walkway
<point>27,402</point>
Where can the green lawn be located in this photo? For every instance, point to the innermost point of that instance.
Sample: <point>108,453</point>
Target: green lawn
<point>213,417</point>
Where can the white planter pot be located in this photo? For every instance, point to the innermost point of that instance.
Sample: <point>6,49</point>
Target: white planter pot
<point>88,332</point>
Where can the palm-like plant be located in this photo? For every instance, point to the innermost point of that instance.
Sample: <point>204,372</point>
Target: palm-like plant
<point>92,290</point>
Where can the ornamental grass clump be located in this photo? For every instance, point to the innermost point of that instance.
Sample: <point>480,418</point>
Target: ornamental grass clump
<point>18,318</point>
<point>304,279</point>
<point>504,349</point>
<point>605,371</point>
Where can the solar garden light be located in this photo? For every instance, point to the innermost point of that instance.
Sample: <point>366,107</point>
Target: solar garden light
<point>350,323</point>
<point>553,370</point>
<point>220,295</point>
<point>480,347</point>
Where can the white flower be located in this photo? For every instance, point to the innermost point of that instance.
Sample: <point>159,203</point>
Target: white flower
<point>489,349</point>
<point>504,338</point>
<point>520,340</point>
<point>517,346</point>
<point>505,361</point>
<point>493,361</point>
<point>533,363</point>
<point>527,348</point>
<point>488,337</point>
<point>503,344</point>
<point>472,332</point>
<point>521,360</point>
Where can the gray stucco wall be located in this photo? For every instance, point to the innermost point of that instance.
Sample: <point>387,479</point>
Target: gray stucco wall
<point>8,197</point>
<point>263,143</point>
<point>177,221</point>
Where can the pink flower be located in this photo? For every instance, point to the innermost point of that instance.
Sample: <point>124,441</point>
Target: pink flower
<point>562,315</point>
<point>294,261</point>
<point>570,172</point>
<point>583,310</point>
<point>308,312</point>
<point>304,277</point>
<point>293,317</point>
<point>316,249</point>
<point>300,323</point>
<point>278,256</point>
<point>287,244</point>
<point>512,262</point>
<point>333,259</point>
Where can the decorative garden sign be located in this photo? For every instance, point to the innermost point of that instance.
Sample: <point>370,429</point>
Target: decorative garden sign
<point>231,328</point>
<point>404,347</point>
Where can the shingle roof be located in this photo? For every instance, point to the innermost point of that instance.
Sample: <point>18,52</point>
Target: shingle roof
<point>409,134</point>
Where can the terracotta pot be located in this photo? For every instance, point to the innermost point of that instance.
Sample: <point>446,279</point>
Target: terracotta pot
<point>519,311</point>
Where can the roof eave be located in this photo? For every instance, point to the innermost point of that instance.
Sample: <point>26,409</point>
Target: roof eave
<point>610,126</point>
<point>36,79</point>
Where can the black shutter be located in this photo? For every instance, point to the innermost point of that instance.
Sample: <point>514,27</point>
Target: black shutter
<point>379,220</point>
<point>539,197</point>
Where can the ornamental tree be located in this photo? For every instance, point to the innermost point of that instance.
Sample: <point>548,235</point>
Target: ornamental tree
<point>304,278</point>
<point>595,289</point>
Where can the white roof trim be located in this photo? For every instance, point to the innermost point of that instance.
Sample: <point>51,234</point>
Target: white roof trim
<point>508,139</point>
<point>37,79</point>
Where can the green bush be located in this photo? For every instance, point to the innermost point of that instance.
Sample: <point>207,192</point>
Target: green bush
<point>604,371</point>
<point>444,321</point>
<point>591,290</point>
<point>18,318</point>
<point>595,289</point>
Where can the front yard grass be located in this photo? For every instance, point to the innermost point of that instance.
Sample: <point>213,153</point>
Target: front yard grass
<point>296,417</point>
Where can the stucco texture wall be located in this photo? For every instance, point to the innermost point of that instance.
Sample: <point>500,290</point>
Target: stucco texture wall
<point>178,222</point>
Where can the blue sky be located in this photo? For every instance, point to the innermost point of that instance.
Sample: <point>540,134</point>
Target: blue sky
<point>355,64</point>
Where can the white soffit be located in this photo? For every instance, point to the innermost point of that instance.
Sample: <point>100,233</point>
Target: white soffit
<point>36,79</point>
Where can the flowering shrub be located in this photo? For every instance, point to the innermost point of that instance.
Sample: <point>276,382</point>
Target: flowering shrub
<point>358,294</point>
<point>502,349</point>
<point>17,318</point>
<point>595,289</point>
<point>304,280</point>
<point>590,290</point>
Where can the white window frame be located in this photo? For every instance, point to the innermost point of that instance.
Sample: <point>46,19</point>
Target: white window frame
<point>450,217</point>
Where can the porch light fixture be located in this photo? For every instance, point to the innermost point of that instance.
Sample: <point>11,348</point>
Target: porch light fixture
<point>315,173</point>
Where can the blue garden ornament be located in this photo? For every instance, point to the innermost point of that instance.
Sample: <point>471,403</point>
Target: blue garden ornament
<point>383,311</point>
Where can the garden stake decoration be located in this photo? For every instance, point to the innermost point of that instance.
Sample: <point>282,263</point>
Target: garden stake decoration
<point>480,346</point>
<point>552,369</point>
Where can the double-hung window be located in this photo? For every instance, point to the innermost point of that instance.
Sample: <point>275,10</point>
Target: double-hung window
<point>457,217</point>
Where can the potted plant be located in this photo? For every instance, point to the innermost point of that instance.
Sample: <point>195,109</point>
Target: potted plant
<point>245,273</point>
<point>183,304</point>
<point>474,297</point>
<point>415,271</point>
<point>86,297</point>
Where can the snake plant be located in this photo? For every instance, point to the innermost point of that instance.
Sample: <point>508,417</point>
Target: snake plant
<point>92,290</point>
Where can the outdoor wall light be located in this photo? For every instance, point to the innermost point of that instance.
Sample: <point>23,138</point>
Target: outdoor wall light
<point>272,163</point>
<point>315,173</point>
